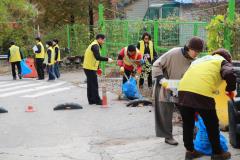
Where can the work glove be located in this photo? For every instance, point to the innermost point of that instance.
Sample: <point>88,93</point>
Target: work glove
<point>110,60</point>
<point>231,94</point>
<point>121,71</point>
<point>99,72</point>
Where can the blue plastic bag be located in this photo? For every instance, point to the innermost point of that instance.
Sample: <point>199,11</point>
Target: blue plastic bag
<point>202,143</point>
<point>25,68</point>
<point>130,89</point>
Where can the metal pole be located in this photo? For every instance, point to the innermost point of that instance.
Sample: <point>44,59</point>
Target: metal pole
<point>156,35</point>
<point>103,30</point>
<point>230,19</point>
<point>68,36</point>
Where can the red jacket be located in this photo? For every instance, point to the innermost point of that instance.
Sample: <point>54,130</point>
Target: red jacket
<point>133,57</point>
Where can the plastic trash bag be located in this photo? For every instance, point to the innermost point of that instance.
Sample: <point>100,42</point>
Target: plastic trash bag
<point>25,68</point>
<point>202,143</point>
<point>130,89</point>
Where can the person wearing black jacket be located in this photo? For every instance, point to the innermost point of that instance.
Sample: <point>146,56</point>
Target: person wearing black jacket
<point>57,57</point>
<point>50,60</point>
<point>92,58</point>
<point>149,55</point>
<point>196,94</point>
<point>39,58</point>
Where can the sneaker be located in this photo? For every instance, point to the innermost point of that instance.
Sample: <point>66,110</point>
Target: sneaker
<point>192,154</point>
<point>222,156</point>
<point>171,141</point>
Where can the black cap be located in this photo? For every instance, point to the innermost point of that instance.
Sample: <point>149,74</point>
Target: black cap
<point>131,48</point>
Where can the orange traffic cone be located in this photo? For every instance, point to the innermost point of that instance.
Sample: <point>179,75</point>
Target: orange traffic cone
<point>104,97</point>
<point>30,109</point>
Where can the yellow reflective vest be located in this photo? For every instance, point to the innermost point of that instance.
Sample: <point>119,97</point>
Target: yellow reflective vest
<point>142,48</point>
<point>15,55</point>
<point>41,54</point>
<point>129,61</point>
<point>90,61</point>
<point>52,60</point>
<point>203,76</point>
<point>59,56</point>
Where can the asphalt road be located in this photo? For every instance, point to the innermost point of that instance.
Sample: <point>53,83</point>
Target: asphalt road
<point>93,133</point>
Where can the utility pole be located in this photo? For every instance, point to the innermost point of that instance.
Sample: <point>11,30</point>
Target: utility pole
<point>91,22</point>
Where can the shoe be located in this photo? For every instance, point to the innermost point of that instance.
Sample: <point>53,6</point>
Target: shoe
<point>222,156</point>
<point>192,154</point>
<point>14,78</point>
<point>20,76</point>
<point>99,103</point>
<point>171,141</point>
<point>40,79</point>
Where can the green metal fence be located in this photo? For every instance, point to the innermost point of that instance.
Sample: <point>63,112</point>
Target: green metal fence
<point>165,34</point>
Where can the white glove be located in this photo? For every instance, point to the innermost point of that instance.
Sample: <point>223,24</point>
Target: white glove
<point>110,60</point>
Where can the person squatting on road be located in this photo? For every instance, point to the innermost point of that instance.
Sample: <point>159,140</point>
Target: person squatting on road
<point>50,60</point>
<point>196,94</point>
<point>90,65</point>
<point>57,54</point>
<point>15,56</point>
<point>39,58</point>
<point>149,55</point>
<point>129,60</point>
<point>172,65</point>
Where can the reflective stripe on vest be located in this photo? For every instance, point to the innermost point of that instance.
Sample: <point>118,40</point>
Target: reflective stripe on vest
<point>59,54</point>
<point>203,76</point>
<point>142,48</point>
<point>90,61</point>
<point>41,54</point>
<point>129,61</point>
<point>15,55</point>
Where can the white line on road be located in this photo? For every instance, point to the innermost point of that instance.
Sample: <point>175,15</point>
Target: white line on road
<point>11,84</point>
<point>20,87</point>
<point>31,89</point>
<point>47,92</point>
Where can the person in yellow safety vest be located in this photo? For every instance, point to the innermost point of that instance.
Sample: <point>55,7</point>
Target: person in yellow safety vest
<point>196,94</point>
<point>149,55</point>
<point>92,58</point>
<point>15,56</point>
<point>129,61</point>
<point>172,65</point>
<point>50,60</point>
<point>57,57</point>
<point>39,58</point>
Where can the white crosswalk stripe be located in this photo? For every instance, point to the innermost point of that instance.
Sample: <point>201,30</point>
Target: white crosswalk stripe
<point>31,88</point>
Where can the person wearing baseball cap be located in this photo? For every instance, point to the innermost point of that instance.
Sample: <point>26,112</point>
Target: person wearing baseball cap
<point>171,65</point>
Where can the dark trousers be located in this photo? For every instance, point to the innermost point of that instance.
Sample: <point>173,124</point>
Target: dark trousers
<point>149,77</point>
<point>51,74</point>
<point>56,70</point>
<point>14,64</point>
<point>92,87</point>
<point>128,74</point>
<point>39,66</point>
<point>211,122</point>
